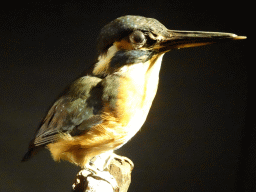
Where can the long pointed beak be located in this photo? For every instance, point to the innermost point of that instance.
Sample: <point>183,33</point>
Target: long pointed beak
<point>182,39</point>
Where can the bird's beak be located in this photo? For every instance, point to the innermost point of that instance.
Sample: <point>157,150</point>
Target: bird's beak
<point>175,39</point>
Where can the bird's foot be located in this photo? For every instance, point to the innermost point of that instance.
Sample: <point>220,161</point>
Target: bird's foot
<point>121,159</point>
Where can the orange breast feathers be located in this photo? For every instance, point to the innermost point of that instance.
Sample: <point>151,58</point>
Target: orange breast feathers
<point>100,138</point>
<point>120,102</point>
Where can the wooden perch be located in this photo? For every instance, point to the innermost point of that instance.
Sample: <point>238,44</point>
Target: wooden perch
<point>118,172</point>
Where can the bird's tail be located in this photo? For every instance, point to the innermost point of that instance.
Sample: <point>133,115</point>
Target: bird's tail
<point>28,155</point>
<point>32,150</point>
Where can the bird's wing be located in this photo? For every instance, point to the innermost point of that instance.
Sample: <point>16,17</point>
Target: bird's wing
<point>81,104</point>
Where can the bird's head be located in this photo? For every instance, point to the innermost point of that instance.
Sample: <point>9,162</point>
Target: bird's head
<point>135,39</point>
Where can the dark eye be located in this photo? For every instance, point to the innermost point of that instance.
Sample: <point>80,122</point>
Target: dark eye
<point>137,37</point>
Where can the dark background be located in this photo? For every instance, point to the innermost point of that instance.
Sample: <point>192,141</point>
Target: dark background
<point>194,139</point>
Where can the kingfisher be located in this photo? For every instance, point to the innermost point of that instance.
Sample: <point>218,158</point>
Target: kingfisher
<point>101,111</point>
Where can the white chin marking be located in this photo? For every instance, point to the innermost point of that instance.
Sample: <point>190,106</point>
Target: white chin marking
<point>104,59</point>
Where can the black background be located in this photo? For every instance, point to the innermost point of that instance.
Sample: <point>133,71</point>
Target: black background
<point>194,139</point>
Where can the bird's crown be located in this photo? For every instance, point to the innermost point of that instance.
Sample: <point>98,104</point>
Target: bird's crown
<point>122,26</point>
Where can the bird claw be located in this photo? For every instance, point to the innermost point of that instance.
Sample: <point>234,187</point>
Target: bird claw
<point>122,159</point>
<point>98,168</point>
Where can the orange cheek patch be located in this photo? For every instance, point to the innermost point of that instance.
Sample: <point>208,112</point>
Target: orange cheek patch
<point>124,44</point>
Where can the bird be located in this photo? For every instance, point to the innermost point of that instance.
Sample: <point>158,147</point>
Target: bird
<point>102,110</point>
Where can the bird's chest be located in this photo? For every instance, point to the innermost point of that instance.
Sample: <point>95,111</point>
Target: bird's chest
<point>130,93</point>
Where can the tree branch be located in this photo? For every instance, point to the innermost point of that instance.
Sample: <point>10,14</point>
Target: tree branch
<point>118,173</point>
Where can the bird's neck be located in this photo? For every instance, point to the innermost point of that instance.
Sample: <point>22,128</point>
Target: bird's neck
<point>136,93</point>
<point>137,87</point>
<point>143,74</point>
<point>131,80</point>
<point>102,67</point>
<point>144,77</point>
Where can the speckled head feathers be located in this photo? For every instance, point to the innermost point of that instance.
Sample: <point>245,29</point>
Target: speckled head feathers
<point>124,25</point>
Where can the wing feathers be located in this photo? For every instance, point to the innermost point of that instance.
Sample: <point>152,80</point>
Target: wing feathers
<point>75,112</point>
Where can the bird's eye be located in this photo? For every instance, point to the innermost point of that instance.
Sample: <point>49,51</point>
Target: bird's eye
<point>137,37</point>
